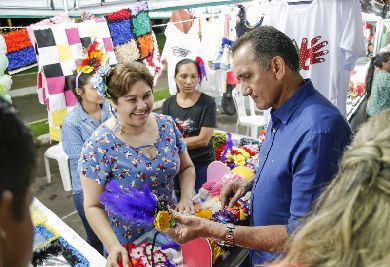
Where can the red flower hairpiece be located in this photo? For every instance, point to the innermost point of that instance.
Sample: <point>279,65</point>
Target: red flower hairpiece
<point>95,58</point>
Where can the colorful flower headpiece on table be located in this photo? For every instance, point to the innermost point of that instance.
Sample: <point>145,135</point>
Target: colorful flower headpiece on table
<point>138,206</point>
<point>95,60</point>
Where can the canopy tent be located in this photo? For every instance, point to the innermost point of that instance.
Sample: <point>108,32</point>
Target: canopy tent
<point>49,8</point>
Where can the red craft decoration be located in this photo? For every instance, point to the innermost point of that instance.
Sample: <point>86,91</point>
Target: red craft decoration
<point>119,15</point>
<point>17,40</point>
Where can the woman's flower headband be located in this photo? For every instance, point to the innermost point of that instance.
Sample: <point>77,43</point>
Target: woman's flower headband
<point>95,60</point>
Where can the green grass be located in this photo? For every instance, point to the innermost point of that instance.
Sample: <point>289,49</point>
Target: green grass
<point>38,128</point>
<point>160,41</point>
<point>161,94</point>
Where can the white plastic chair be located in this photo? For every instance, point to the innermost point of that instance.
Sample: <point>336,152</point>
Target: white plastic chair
<point>252,121</point>
<point>56,152</point>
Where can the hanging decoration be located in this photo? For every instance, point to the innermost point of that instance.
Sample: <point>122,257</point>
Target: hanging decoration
<point>133,38</point>
<point>20,52</point>
<point>58,48</point>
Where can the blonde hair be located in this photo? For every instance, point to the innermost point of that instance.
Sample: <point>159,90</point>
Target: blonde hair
<point>349,225</point>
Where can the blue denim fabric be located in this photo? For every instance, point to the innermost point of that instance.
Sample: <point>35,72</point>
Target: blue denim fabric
<point>92,238</point>
<point>201,176</point>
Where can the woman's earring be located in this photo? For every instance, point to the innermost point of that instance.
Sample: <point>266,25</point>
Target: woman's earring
<point>119,127</point>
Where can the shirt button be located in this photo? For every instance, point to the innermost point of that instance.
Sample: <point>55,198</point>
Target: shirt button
<point>273,130</point>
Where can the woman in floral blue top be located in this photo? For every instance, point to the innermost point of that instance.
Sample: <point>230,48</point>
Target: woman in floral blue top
<point>137,147</point>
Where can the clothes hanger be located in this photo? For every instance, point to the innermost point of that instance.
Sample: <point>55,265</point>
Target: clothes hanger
<point>305,2</point>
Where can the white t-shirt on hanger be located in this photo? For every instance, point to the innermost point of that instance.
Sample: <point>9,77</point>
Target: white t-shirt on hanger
<point>179,45</point>
<point>212,33</point>
<point>332,32</point>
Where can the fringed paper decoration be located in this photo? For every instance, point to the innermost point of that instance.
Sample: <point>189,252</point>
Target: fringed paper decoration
<point>153,62</point>
<point>127,52</point>
<point>145,44</point>
<point>58,48</point>
<point>20,52</point>
<point>120,31</point>
<point>141,24</point>
<point>133,38</point>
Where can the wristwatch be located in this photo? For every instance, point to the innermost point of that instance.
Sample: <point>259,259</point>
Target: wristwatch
<point>229,237</point>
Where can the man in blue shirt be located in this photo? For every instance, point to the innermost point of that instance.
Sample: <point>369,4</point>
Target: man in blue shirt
<point>305,139</point>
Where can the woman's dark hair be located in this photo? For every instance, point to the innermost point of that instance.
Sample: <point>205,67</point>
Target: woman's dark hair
<point>376,61</point>
<point>81,81</point>
<point>121,79</point>
<point>17,156</point>
<point>182,62</point>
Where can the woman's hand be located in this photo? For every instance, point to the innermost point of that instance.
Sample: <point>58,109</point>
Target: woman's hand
<point>186,205</point>
<point>117,252</point>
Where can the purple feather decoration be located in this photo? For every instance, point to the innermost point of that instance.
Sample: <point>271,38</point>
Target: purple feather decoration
<point>228,146</point>
<point>202,69</point>
<point>172,244</point>
<point>135,206</point>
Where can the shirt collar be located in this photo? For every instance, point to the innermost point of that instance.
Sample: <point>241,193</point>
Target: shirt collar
<point>286,110</point>
<point>80,112</point>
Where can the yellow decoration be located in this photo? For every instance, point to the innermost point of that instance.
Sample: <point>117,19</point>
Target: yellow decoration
<point>162,221</point>
<point>245,172</point>
<point>217,251</point>
<point>55,133</point>
<point>242,215</point>
<point>86,69</point>
<point>64,52</point>
<point>58,116</point>
<point>239,160</point>
<point>37,216</point>
<point>206,214</point>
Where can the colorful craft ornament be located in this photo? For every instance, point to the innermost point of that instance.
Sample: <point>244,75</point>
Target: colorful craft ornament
<point>95,60</point>
<point>202,69</point>
<point>138,206</point>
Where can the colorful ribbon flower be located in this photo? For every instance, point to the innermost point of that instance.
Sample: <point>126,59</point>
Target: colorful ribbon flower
<point>95,60</point>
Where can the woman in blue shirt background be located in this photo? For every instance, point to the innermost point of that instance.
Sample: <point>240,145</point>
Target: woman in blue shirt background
<point>90,111</point>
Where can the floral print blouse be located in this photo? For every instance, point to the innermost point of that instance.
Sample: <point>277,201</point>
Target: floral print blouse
<point>105,157</point>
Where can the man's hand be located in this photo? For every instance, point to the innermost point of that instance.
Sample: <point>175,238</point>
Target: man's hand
<point>232,191</point>
<point>188,227</point>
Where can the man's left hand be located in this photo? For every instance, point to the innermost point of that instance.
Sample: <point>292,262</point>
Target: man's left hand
<point>188,227</point>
